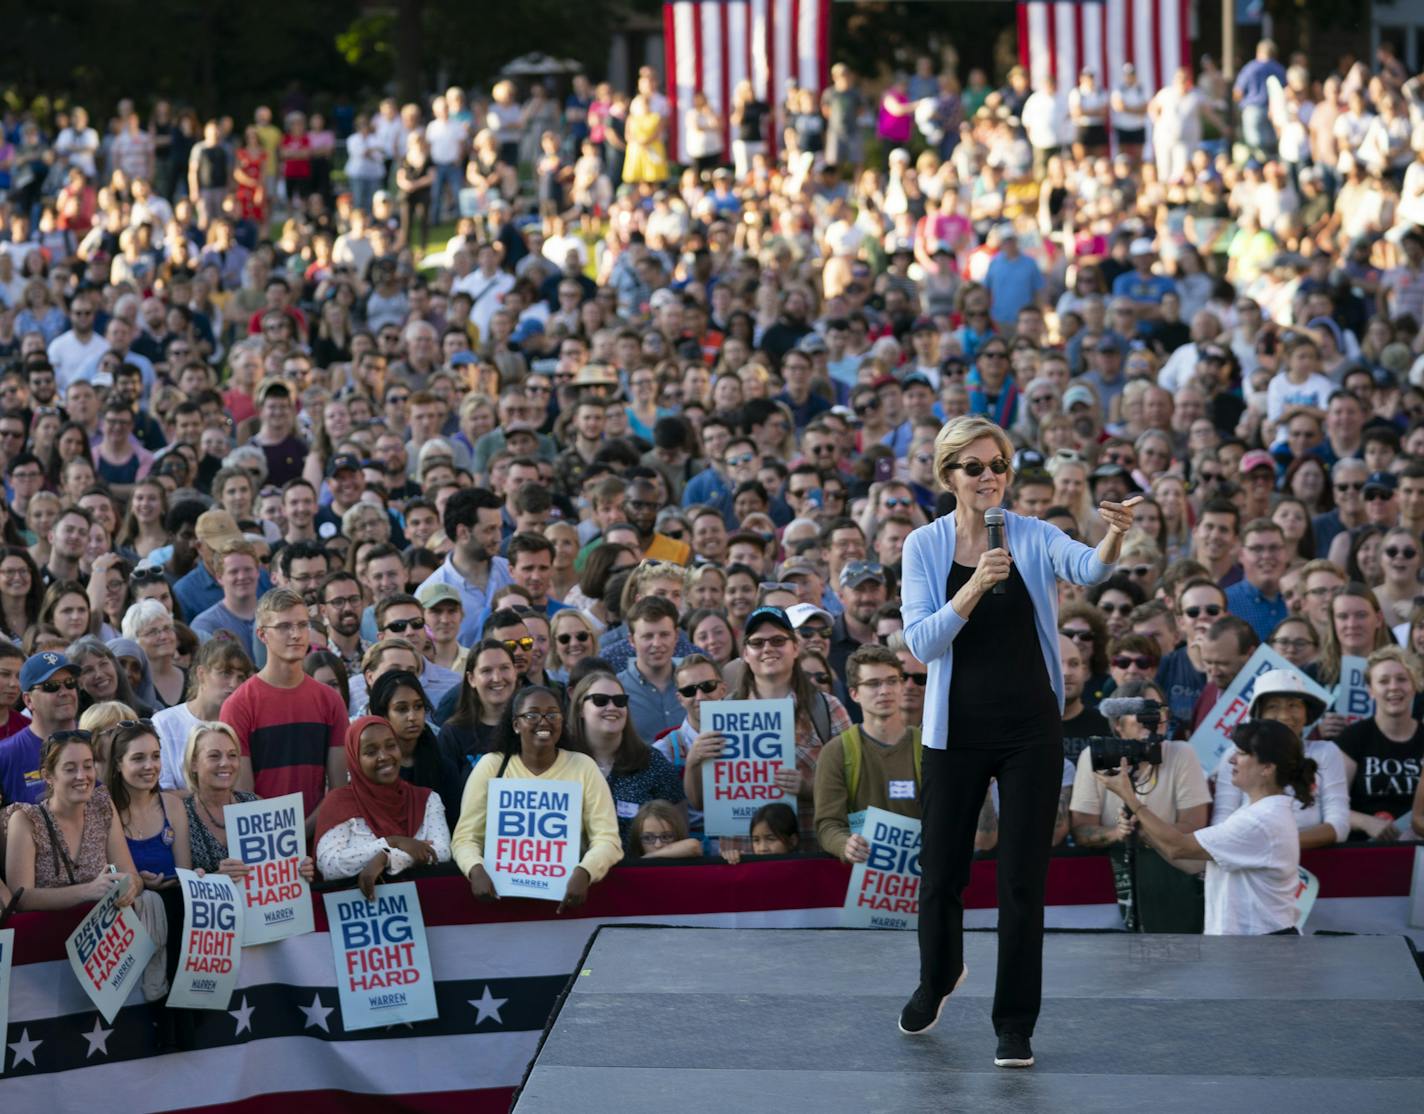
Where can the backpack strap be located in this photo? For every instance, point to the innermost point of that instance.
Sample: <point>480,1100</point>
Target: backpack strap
<point>850,749</point>
<point>821,718</point>
<point>919,756</point>
<point>504,765</point>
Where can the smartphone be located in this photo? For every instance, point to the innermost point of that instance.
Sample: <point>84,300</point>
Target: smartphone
<point>884,469</point>
<point>815,498</point>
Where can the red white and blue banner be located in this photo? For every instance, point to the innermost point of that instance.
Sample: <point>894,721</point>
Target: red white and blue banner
<point>714,45</point>
<point>498,971</point>
<point>1062,37</point>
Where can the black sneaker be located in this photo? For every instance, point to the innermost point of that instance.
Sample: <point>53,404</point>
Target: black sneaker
<point>1014,1052</point>
<point>922,1011</point>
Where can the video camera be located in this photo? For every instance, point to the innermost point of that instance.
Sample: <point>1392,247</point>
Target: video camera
<point>1108,752</point>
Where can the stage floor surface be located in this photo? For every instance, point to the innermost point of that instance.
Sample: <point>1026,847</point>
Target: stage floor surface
<point>691,1020</point>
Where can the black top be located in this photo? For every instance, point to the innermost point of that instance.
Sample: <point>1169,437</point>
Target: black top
<point>999,691</point>
<point>1386,772</point>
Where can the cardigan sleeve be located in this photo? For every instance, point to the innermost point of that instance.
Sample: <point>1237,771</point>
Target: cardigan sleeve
<point>930,625</point>
<point>1072,560</point>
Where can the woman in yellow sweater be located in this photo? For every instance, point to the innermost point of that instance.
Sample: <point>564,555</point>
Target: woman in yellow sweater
<point>531,744</point>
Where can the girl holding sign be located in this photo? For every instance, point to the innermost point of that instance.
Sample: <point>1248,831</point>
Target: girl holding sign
<point>58,851</point>
<point>379,825</point>
<point>984,618</point>
<point>533,743</point>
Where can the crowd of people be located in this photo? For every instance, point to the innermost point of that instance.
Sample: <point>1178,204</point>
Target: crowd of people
<point>300,500</point>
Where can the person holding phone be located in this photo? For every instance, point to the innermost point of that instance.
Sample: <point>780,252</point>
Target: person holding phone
<point>983,616</point>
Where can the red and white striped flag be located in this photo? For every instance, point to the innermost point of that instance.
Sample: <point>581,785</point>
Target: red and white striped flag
<point>712,45</point>
<point>1062,37</point>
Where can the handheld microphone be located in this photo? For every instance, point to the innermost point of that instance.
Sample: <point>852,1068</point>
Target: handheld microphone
<point>994,523</point>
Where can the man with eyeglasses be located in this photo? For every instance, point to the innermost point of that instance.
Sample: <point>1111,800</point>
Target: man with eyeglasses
<point>26,476</point>
<point>1347,482</point>
<point>641,503</point>
<point>1257,596</point>
<point>992,391</point>
<point>1200,602</point>
<point>873,764</point>
<point>291,727</point>
<point>49,687</point>
<point>696,680</point>
<point>403,616</point>
<point>870,412</point>
<point>75,349</point>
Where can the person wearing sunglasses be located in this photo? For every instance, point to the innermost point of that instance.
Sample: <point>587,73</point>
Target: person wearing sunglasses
<point>1200,602</point>
<point>697,679</point>
<point>534,740</point>
<point>1132,657</point>
<point>49,687</point>
<point>601,724</point>
<point>1257,596</point>
<point>993,711</point>
<point>403,616</point>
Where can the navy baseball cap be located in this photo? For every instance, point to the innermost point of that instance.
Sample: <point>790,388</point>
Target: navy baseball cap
<point>41,667</point>
<point>768,615</point>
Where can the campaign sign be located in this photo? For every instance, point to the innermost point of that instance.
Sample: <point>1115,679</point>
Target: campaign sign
<point>884,890</point>
<point>533,831</point>
<point>7,949</point>
<point>1306,891</point>
<point>271,838</point>
<point>1213,738</point>
<point>211,951</point>
<point>1352,695</point>
<point>108,952</point>
<point>383,974</point>
<point>760,739</point>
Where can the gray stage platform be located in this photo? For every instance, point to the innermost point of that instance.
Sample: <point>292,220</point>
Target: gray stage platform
<point>674,1021</point>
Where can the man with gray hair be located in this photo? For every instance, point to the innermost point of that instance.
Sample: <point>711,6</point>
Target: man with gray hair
<point>1347,479</point>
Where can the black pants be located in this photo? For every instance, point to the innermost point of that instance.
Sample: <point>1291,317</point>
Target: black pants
<point>955,782</point>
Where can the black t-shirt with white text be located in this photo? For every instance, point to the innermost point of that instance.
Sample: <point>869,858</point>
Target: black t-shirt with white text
<point>1386,772</point>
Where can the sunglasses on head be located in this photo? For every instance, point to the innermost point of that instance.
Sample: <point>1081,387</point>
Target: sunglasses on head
<point>705,687</point>
<point>1124,661</point>
<point>1211,610</point>
<point>603,699</point>
<point>151,574</point>
<point>975,468</point>
<point>579,636</point>
<point>819,678</point>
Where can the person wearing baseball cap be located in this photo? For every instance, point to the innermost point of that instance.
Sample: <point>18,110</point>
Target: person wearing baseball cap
<point>444,612</point>
<point>1289,697</point>
<point>1140,284</point>
<point>1258,477</point>
<point>199,589</point>
<point>49,686</point>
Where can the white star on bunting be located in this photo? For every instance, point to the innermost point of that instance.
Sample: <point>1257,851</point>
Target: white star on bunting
<point>98,1038</point>
<point>487,1005</point>
<point>243,1016</point>
<point>316,1014</point>
<point>24,1050</point>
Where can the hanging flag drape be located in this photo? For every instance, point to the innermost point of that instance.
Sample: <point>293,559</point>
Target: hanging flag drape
<point>713,45</point>
<point>1063,37</point>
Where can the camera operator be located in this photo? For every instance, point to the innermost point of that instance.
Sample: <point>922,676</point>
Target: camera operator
<point>1282,695</point>
<point>1253,859</point>
<point>1167,900</point>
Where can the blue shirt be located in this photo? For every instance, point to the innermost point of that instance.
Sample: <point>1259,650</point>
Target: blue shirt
<point>707,487</point>
<point>652,709</point>
<point>219,618</point>
<point>1244,599</point>
<point>1145,291</point>
<point>20,777</point>
<point>475,597</point>
<point>1012,284</point>
<point>1042,553</point>
<point>1181,683</point>
<point>196,590</point>
<point>1251,81</point>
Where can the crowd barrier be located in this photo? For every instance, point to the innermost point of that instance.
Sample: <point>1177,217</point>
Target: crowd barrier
<point>499,972</point>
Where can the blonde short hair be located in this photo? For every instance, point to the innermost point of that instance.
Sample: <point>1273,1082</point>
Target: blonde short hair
<point>100,717</point>
<point>190,746</point>
<point>1397,654</point>
<point>958,434</point>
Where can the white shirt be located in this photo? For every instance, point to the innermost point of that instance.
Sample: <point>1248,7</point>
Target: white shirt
<point>1254,870</point>
<point>345,850</point>
<point>1282,394</point>
<point>173,725</point>
<point>1046,120</point>
<point>363,156</point>
<point>70,355</point>
<point>488,292</point>
<point>1332,791</point>
<point>446,139</point>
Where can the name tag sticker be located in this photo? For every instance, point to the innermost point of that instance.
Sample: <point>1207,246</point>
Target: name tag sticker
<point>626,810</point>
<point>902,790</point>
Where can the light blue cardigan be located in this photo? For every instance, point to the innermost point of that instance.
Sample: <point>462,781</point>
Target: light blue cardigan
<point>1042,553</point>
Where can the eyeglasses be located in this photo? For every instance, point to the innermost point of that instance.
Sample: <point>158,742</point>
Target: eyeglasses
<point>534,719</point>
<point>400,626</point>
<point>1360,486</point>
<point>1211,610</point>
<point>1326,591</point>
<point>579,636</point>
<point>674,534</point>
<point>920,680</point>
<point>1296,644</point>
<point>342,601</point>
<point>59,738</point>
<point>1378,496</point>
<point>775,641</point>
<point>1139,571</point>
<point>740,459</point>
<point>1408,552</point>
<point>1077,635</point>
<point>1263,550</point>
<point>288,630</point>
<point>1125,661</point>
<point>705,687</point>
<point>134,724</point>
<point>54,686</point>
<point>819,678</point>
<point>867,407</point>
<point>526,644</point>
<point>879,682</point>
<point>603,699</point>
<point>994,355</point>
<point>813,630</point>
<point>657,839</point>
<point>776,586</point>
<point>898,501</point>
<point>975,468</point>
<point>149,574</point>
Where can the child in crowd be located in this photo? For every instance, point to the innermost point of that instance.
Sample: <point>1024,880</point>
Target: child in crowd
<point>775,831</point>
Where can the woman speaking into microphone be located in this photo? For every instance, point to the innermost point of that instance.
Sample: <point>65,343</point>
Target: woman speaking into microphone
<point>984,619</point>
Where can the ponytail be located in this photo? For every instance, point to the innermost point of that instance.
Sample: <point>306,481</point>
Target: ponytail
<point>1275,743</point>
<point>1302,784</point>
